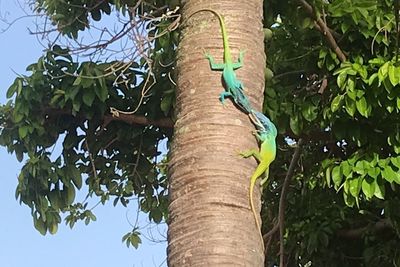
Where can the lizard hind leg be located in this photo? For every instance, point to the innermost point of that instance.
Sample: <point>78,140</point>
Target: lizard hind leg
<point>239,63</point>
<point>224,95</point>
<point>251,153</point>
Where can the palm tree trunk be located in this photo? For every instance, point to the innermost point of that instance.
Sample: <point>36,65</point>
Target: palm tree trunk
<point>210,221</point>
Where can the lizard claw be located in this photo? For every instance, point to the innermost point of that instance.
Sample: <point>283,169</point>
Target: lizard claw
<point>245,154</point>
<point>206,54</point>
<point>239,153</point>
<point>222,100</point>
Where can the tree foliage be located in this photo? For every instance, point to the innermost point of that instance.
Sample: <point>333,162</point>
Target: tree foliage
<point>65,102</point>
<point>335,85</point>
<point>342,207</point>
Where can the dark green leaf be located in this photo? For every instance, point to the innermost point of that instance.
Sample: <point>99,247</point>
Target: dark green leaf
<point>88,97</point>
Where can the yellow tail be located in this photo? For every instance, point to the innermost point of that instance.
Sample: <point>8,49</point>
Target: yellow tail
<point>261,168</point>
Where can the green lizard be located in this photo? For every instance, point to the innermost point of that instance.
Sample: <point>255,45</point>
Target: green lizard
<point>266,133</point>
<point>233,87</point>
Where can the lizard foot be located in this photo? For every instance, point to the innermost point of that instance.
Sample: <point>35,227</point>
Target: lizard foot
<point>246,153</point>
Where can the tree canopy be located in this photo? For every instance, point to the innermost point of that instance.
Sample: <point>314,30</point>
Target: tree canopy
<point>333,78</point>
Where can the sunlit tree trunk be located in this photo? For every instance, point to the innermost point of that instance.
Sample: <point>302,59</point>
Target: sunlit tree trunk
<point>210,221</point>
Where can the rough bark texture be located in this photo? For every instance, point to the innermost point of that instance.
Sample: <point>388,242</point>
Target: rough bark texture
<point>210,222</point>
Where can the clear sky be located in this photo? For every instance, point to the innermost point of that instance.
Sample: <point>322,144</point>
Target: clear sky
<point>98,244</point>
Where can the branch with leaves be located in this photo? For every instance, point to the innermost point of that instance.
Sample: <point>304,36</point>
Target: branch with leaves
<point>324,29</point>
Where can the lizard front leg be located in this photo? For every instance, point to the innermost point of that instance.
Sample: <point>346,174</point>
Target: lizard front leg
<point>213,65</point>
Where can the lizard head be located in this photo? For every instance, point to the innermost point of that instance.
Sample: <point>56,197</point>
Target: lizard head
<point>263,123</point>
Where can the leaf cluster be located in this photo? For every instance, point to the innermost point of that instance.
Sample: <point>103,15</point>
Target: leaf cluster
<point>348,113</point>
<point>59,122</point>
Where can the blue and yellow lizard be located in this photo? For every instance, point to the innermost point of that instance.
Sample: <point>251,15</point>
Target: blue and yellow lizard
<point>233,87</point>
<point>266,130</point>
<point>266,133</point>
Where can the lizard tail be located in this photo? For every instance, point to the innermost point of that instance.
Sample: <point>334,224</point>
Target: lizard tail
<point>253,209</point>
<point>222,25</point>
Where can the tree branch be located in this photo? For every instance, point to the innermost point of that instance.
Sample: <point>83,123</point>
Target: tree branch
<point>127,118</point>
<point>358,232</point>
<point>141,120</point>
<point>324,29</point>
<point>281,213</point>
<point>282,201</point>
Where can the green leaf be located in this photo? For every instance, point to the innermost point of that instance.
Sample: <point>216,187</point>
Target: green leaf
<point>341,79</point>
<point>347,169</point>
<point>156,215</point>
<point>351,84</point>
<point>349,200</point>
<point>383,72</point>
<point>126,236</point>
<point>17,116</point>
<point>336,103</point>
<point>77,81</point>
<point>88,97</point>
<point>90,215</point>
<point>54,198</point>
<point>372,78</point>
<point>368,187</point>
<point>70,93</point>
<point>309,112</point>
<point>361,167</point>
<point>337,176</point>
<point>96,14</point>
<point>14,88</point>
<point>350,106</point>
<point>389,174</point>
<point>88,82</point>
<point>76,105</point>
<point>307,23</point>
<point>40,225</point>
<point>374,172</point>
<point>295,124</point>
<point>101,92</point>
<point>379,61</point>
<point>393,77</point>
<point>362,107</point>
<point>70,195</point>
<point>379,189</point>
<point>344,26</point>
<point>328,176</point>
<point>135,240</point>
<point>166,103</point>
<point>23,131</point>
<point>76,177</point>
<point>354,187</point>
<point>55,99</point>
<point>53,228</point>
<point>395,161</point>
<point>361,70</point>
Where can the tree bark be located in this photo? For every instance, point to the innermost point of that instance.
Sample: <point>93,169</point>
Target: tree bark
<point>210,221</point>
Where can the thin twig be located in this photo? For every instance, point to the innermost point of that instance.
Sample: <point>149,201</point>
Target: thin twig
<point>282,200</point>
<point>281,213</point>
<point>324,29</point>
<point>91,160</point>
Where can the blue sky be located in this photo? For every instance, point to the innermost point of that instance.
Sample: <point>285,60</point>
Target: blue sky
<point>98,244</point>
